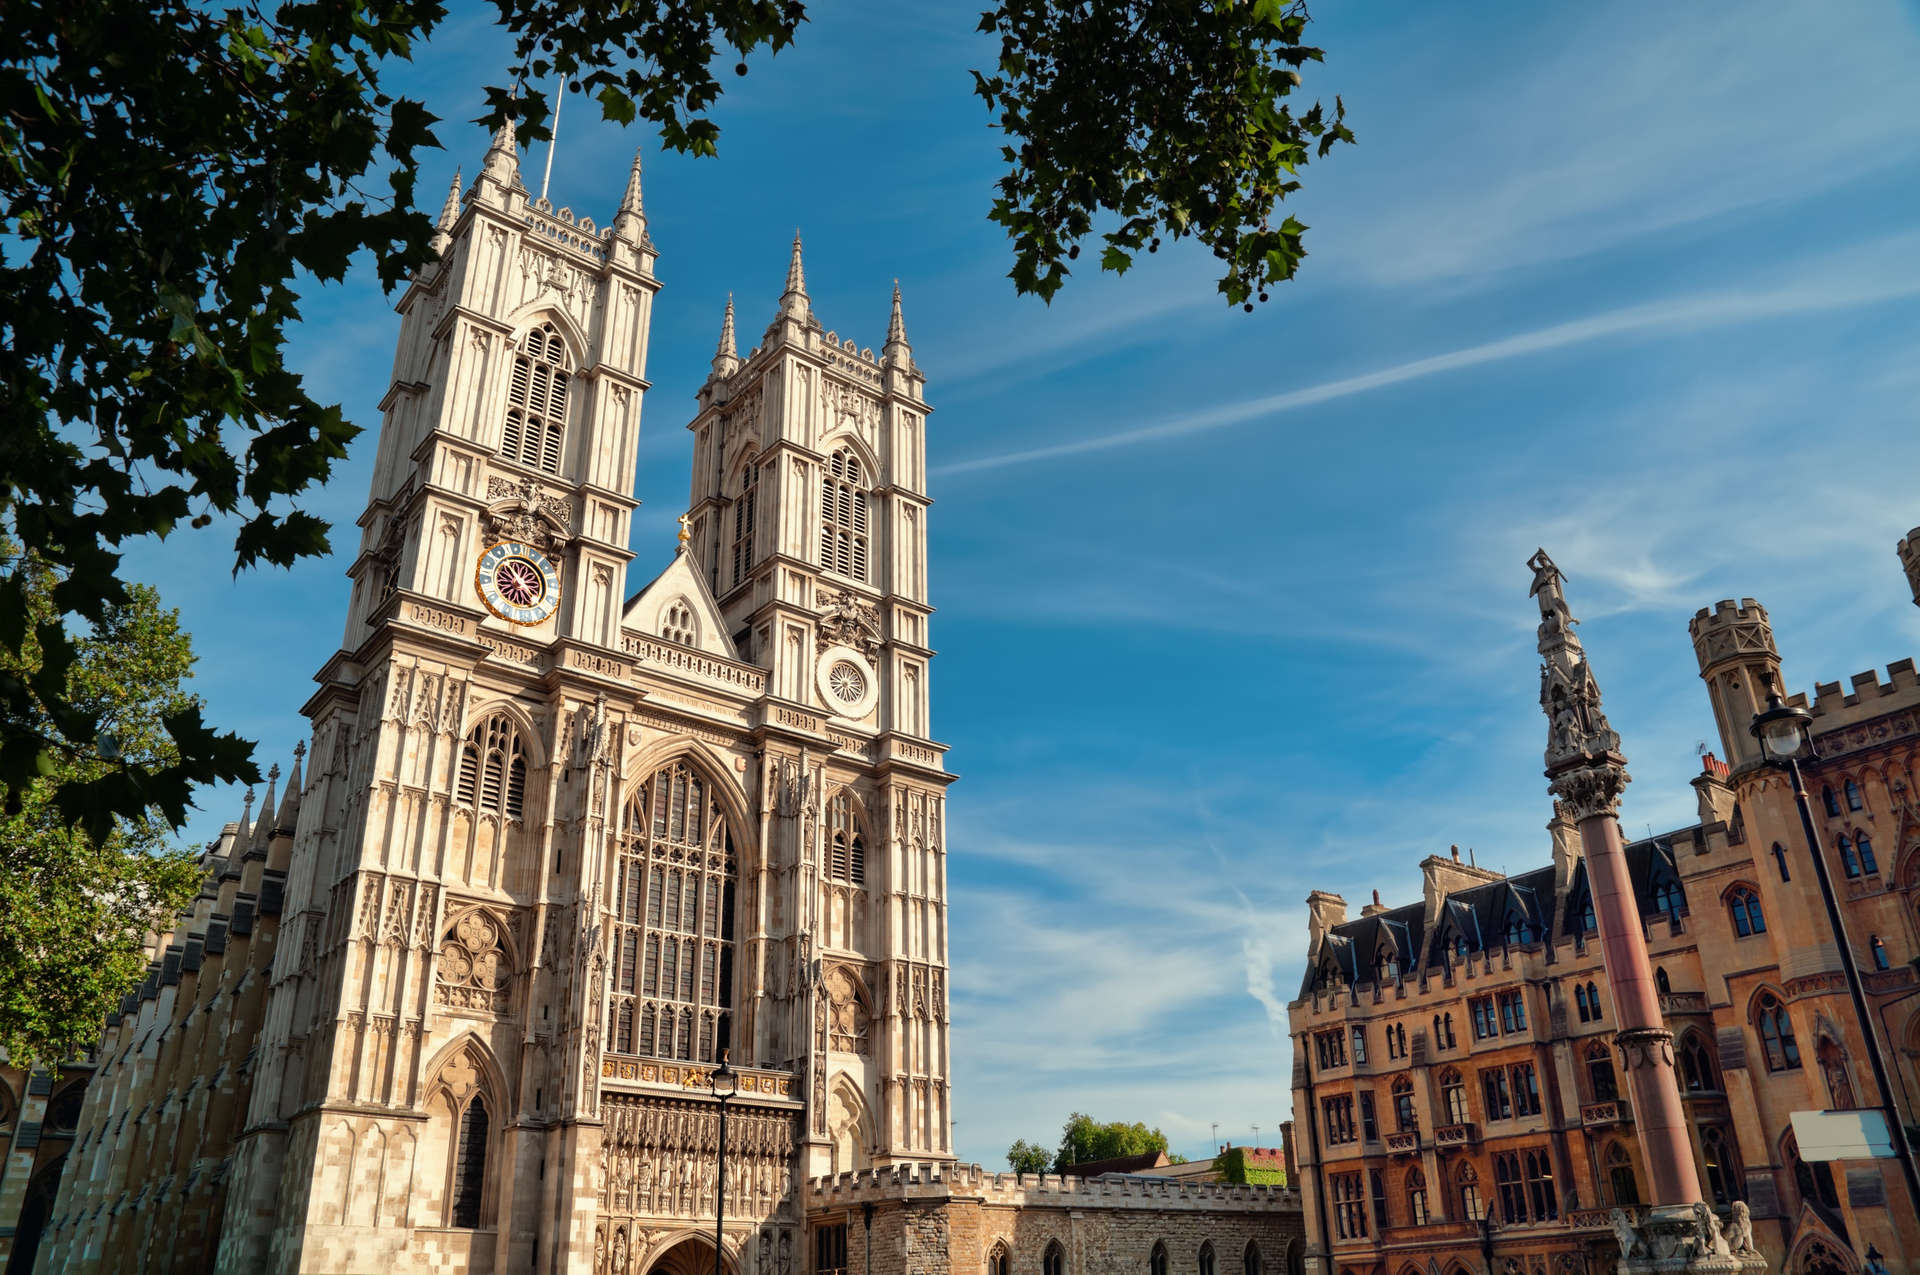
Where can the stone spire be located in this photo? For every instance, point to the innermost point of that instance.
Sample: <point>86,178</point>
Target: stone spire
<point>725,359</point>
<point>503,159</point>
<point>449,214</point>
<point>897,349</point>
<point>631,220</point>
<point>794,302</point>
<point>263,830</point>
<point>1585,767</point>
<point>246,812</point>
<point>290,804</point>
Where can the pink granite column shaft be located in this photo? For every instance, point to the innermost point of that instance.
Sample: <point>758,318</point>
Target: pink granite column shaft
<point>1645,1045</point>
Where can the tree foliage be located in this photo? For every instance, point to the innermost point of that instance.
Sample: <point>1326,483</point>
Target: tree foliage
<point>74,910</point>
<point>1028,1157</point>
<point>1084,1140</point>
<point>171,172</point>
<point>1170,116</point>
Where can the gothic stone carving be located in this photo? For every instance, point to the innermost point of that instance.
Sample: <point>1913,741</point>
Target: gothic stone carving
<point>659,1154</point>
<point>474,971</point>
<point>521,511</point>
<point>847,620</point>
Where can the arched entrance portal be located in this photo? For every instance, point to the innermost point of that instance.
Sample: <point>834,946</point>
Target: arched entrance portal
<point>690,1256</point>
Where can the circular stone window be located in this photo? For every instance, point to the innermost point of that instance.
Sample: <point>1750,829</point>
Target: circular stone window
<point>846,682</point>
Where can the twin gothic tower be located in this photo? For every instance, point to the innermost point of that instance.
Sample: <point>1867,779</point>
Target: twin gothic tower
<point>558,847</point>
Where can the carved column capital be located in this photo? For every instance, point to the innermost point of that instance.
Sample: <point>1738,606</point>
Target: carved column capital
<point>1643,1047</point>
<point>1592,788</point>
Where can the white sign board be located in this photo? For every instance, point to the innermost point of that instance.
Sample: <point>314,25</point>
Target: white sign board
<point>1842,1135</point>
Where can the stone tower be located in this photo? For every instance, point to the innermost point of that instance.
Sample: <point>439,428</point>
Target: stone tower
<point>1910,562</point>
<point>1738,660</point>
<point>557,851</point>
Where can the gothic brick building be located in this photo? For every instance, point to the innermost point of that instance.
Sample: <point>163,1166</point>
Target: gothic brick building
<point>454,1000</point>
<point>1453,1056</point>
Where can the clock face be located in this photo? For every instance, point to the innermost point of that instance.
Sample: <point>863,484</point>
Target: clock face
<point>518,583</point>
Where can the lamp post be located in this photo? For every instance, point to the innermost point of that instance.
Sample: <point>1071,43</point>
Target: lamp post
<point>724,1084</point>
<point>1784,740</point>
<point>1488,1229</point>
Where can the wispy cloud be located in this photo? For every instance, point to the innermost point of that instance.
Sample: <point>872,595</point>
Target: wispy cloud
<point>1885,272</point>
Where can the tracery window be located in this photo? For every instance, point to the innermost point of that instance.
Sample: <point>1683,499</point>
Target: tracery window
<point>1404,1118</point>
<point>1417,1197</point>
<point>1349,1205</point>
<point>847,848</point>
<point>1541,1197</point>
<point>1453,1095</point>
<point>673,974</point>
<point>1723,1177</point>
<point>1471,1207</point>
<point>745,506</point>
<point>1744,905</point>
<point>1854,801</point>
<point>1600,1073</point>
<point>677,626</point>
<point>1669,899</point>
<point>1495,1096</point>
<point>537,401</point>
<point>474,970</point>
<point>1526,1090</point>
<point>1864,844</point>
<point>1696,1065</point>
<point>1776,1034</point>
<point>843,517</point>
<point>493,769</point>
<point>999,1261</point>
<point>1848,863</point>
<point>1620,1177</point>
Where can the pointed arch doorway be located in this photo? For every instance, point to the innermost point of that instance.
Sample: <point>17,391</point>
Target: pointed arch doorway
<point>691,1255</point>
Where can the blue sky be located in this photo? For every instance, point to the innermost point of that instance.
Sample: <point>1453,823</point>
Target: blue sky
<point>1234,606</point>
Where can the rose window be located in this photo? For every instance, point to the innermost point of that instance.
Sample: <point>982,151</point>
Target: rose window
<point>849,684</point>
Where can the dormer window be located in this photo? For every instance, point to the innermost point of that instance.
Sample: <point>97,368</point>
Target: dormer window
<point>537,401</point>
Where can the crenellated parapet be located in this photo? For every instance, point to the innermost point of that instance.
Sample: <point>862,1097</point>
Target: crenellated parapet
<point>932,1180</point>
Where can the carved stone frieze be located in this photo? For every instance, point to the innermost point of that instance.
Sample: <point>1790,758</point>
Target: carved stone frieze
<point>848,620</point>
<point>658,1158</point>
<point>522,511</point>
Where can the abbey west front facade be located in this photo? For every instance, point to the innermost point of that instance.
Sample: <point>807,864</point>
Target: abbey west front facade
<point>454,1001</point>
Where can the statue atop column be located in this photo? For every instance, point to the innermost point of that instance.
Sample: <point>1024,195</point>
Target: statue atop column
<point>1584,763</point>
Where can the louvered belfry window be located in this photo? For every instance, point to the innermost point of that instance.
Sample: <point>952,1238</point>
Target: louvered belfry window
<point>744,508</point>
<point>493,769</point>
<point>673,984</point>
<point>847,852</point>
<point>537,401</point>
<point>843,517</point>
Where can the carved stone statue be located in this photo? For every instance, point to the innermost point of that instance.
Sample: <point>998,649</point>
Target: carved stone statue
<point>1625,1234</point>
<point>1711,1239</point>
<point>1740,1230</point>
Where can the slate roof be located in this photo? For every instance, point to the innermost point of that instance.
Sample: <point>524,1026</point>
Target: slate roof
<point>1481,912</point>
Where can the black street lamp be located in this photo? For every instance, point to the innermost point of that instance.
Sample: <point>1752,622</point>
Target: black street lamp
<point>724,1084</point>
<point>1786,740</point>
<point>1487,1231</point>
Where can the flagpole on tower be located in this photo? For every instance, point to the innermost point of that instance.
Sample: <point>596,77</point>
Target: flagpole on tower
<point>553,136</point>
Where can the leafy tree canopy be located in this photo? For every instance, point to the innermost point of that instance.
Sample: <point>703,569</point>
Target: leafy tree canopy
<point>1028,1157</point>
<point>171,170</point>
<point>1084,1140</point>
<point>76,910</point>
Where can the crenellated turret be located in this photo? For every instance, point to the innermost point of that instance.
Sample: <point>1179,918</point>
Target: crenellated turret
<point>1737,657</point>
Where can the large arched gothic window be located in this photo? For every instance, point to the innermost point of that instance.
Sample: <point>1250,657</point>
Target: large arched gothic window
<point>1776,1034</point>
<point>673,970</point>
<point>460,1101</point>
<point>1453,1095</point>
<point>537,401</point>
<point>843,517</point>
<point>1206,1262</point>
<point>745,507</point>
<point>1600,1073</point>
<point>493,769</point>
<point>1722,1169</point>
<point>1417,1212</point>
<point>999,1261</point>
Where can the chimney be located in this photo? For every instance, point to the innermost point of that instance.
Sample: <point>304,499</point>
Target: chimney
<point>1374,908</point>
<point>1324,911</point>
